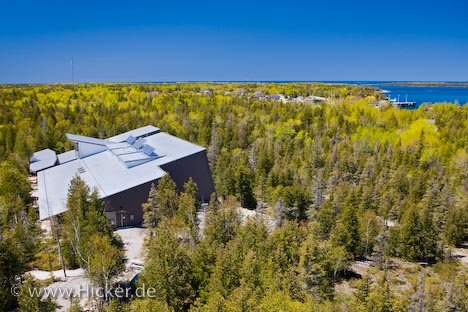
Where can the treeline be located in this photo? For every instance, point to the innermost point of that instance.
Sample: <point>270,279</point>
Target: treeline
<point>249,265</point>
<point>374,183</point>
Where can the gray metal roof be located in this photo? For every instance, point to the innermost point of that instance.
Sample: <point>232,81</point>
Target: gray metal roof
<point>42,159</point>
<point>67,156</point>
<point>109,172</point>
<point>85,139</point>
<point>135,133</point>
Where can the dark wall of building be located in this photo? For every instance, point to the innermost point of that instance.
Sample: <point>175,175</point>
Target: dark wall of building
<point>125,208</point>
<point>195,166</point>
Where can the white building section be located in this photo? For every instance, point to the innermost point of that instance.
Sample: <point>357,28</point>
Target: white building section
<point>116,165</point>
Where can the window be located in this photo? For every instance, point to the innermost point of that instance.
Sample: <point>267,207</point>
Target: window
<point>132,217</point>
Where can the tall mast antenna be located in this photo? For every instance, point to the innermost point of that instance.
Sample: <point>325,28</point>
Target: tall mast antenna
<point>72,70</point>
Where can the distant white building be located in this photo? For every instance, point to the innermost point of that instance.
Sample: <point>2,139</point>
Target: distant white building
<point>207,92</point>
<point>313,98</point>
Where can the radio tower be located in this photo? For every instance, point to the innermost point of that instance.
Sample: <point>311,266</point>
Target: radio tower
<point>72,70</point>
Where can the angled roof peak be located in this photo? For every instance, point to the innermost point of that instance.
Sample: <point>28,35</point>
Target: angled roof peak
<point>88,140</point>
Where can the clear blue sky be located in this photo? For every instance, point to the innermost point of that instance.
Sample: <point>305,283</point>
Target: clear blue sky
<point>233,40</point>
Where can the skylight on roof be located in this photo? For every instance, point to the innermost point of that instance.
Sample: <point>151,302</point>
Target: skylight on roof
<point>131,139</point>
<point>148,150</point>
<point>139,143</point>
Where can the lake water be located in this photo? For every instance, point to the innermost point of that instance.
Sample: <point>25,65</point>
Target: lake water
<point>425,94</point>
<point>419,94</point>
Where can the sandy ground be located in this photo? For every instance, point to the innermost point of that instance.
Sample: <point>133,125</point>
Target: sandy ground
<point>462,253</point>
<point>361,267</point>
<point>43,275</point>
<point>76,281</point>
<point>133,239</point>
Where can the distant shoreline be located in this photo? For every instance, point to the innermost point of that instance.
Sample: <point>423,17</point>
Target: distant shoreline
<point>426,84</point>
<point>331,82</point>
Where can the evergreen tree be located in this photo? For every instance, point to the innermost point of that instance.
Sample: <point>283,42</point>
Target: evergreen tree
<point>456,229</point>
<point>162,202</point>
<point>412,237</point>
<point>320,263</point>
<point>346,231</point>
<point>83,221</point>
<point>30,300</point>
<point>245,187</point>
<point>296,201</point>
<point>11,268</point>
<point>14,183</point>
<point>188,208</point>
<point>148,305</point>
<point>104,260</point>
<point>168,268</point>
<point>222,221</point>
<point>150,213</point>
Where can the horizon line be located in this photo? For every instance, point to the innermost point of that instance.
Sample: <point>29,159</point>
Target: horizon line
<point>229,81</point>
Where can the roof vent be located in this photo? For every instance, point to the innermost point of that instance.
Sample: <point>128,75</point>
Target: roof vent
<point>81,170</point>
<point>148,150</point>
<point>139,143</point>
<point>131,139</point>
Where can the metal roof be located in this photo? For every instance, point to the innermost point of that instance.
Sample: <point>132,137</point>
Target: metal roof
<point>135,133</point>
<point>85,139</point>
<point>148,150</point>
<point>42,159</point>
<point>115,146</point>
<point>109,172</point>
<point>67,156</point>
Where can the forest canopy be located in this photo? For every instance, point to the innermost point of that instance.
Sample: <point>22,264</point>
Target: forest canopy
<point>342,181</point>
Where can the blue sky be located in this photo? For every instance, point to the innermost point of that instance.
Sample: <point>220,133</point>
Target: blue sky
<point>233,40</point>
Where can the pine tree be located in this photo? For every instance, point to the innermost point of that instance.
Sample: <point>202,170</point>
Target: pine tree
<point>412,239</point>
<point>297,201</point>
<point>147,305</point>
<point>11,268</point>
<point>83,220</point>
<point>456,228</point>
<point>14,183</point>
<point>245,188</point>
<point>188,208</point>
<point>29,301</point>
<point>162,202</point>
<point>320,263</point>
<point>74,221</point>
<point>104,260</point>
<point>222,221</point>
<point>346,231</point>
<point>150,215</point>
<point>168,267</point>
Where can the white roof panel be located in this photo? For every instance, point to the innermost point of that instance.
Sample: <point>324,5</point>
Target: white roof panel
<point>85,139</point>
<point>53,186</point>
<point>117,145</point>
<point>136,133</point>
<point>42,159</point>
<point>133,156</point>
<point>171,147</point>
<point>124,150</point>
<point>113,177</point>
<point>67,156</point>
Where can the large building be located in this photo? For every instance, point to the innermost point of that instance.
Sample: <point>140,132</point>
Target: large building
<point>122,169</point>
